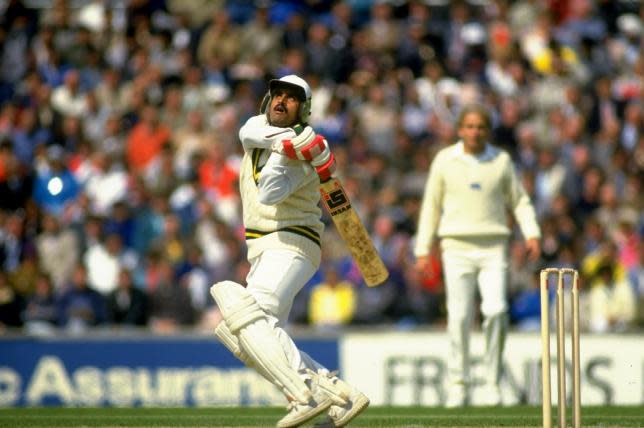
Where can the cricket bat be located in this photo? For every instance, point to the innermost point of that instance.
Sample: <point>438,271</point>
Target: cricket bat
<point>353,232</point>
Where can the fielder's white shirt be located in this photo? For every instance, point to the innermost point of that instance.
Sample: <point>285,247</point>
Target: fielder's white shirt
<point>469,196</point>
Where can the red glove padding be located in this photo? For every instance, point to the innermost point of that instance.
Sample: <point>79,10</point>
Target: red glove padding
<point>326,170</point>
<point>307,151</point>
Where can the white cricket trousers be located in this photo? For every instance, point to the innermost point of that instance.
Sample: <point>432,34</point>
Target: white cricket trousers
<point>468,264</point>
<point>275,278</point>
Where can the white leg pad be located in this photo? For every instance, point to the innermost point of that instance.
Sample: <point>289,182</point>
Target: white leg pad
<point>231,342</point>
<point>247,321</point>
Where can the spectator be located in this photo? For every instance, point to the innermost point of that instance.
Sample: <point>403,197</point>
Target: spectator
<point>11,304</point>
<point>332,303</point>
<point>260,39</point>
<point>113,141</point>
<point>146,140</point>
<point>16,181</point>
<point>221,40</point>
<point>68,99</point>
<point>13,242</point>
<point>321,57</point>
<point>107,90</point>
<point>27,135</point>
<point>549,179</point>
<point>612,302</point>
<point>172,113</point>
<point>190,140</point>
<point>414,116</point>
<point>23,279</point>
<point>120,221</point>
<point>106,183</point>
<point>384,30</point>
<point>55,188</point>
<point>436,90</point>
<point>335,121</point>
<point>525,309</point>
<point>104,260</point>
<point>79,307</point>
<point>171,245</point>
<point>58,250</point>
<point>377,119</point>
<point>94,119</point>
<point>218,178</point>
<point>40,314</point>
<point>194,275</point>
<point>170,302</point>
<point>127,305</point>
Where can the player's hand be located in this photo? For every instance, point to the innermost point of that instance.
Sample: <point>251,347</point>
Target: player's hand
<point>323,161</point>
<point>424,265</point>
<point>533,248</point>
<point>299,146</point>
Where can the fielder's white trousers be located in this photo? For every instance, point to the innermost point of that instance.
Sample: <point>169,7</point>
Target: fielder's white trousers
<point>275,278</point>
<point>469,264</point>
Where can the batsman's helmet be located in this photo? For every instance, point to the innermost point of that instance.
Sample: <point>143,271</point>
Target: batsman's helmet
<point>303,90</point>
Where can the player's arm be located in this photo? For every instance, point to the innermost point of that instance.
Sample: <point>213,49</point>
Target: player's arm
<point>524,213</point>
<point>294,142</point>
<point>256,133</point>
<point>429,215</point>
<point>280,177</point>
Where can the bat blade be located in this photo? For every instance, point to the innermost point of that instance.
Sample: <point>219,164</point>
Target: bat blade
<point>353,232</point>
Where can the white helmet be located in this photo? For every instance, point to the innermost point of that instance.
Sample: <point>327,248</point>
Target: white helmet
<point>303,89</point>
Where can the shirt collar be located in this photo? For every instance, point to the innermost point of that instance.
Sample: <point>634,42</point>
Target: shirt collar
<point>459,152</point>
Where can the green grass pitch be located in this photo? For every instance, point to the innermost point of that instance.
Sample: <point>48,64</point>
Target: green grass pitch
<point>389,417</point>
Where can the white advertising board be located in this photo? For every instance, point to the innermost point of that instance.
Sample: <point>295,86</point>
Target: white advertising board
<point>411,368</point>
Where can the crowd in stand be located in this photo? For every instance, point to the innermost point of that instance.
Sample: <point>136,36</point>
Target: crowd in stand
<point>119,152</point>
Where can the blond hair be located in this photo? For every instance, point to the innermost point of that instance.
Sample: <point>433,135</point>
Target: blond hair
<point>479,109</point>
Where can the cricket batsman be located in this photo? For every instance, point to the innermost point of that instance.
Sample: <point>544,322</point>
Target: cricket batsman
<point>283,163</point>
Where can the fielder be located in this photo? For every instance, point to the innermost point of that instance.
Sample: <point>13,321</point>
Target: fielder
<point>470,188</point>
<point>283,163</point>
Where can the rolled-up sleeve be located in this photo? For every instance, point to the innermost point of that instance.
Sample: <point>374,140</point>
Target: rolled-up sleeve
<point>258,134</point>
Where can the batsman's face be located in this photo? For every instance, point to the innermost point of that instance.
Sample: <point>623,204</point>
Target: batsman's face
<point>474,132</point>
<point>284,108</point>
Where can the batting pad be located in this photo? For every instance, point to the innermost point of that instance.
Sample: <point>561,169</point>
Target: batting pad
<point>247,321</point>
<point>231,342</point>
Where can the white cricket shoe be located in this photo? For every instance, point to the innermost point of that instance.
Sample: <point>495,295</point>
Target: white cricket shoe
<point>324,394</point>
<point>331,384</point>
<point>299,413</point>
<point>341,414</point>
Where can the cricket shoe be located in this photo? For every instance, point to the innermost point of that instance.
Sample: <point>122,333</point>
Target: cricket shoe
<point>324,395</point>
<point>331,384</point>
<point>341,414</point>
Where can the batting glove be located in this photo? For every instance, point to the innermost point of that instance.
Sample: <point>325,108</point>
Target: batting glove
<point>298,146</point>
<point>323,161</point>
